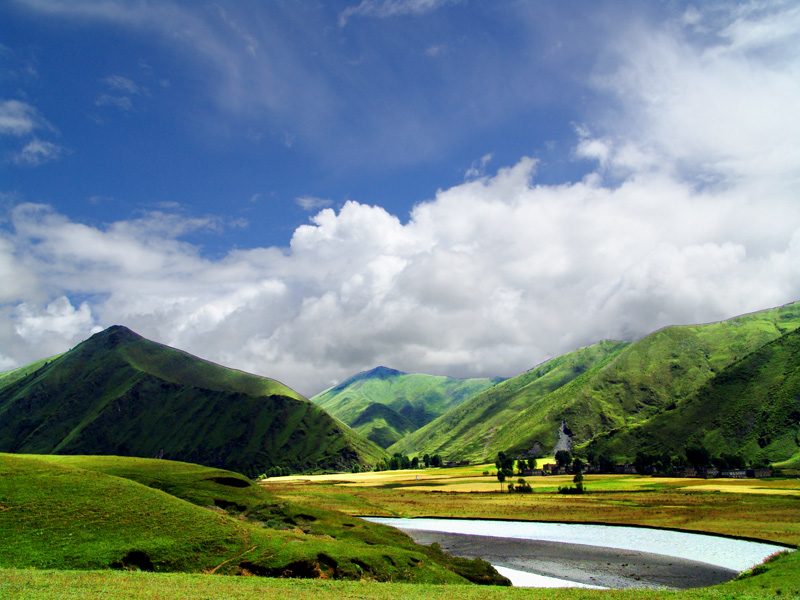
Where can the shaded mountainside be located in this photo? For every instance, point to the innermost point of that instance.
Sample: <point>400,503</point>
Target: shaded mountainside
<point>752,408</point>
<point>598,389</point>
<point>410,400</point>
<point>101,512</point>
<point>118,393</point>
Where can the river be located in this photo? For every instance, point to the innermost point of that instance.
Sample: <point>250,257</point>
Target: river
<point>609,556</point>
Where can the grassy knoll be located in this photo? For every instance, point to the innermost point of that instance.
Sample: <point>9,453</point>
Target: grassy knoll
<point>100,512</point>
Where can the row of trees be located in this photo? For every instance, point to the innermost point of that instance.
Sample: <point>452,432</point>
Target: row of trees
<point>400,461</point>
<point>275,471</point>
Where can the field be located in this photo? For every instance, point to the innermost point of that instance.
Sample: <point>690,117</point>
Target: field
<point>766,510</point>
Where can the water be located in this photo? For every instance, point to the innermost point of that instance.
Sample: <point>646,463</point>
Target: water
<point>736,555</point>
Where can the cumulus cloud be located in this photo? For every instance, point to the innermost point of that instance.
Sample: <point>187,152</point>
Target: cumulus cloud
<point>677,220</point>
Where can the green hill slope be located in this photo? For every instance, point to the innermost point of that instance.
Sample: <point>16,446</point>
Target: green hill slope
<point>618,385</point>
<point>469,431</point>
<point>752,408</point>
<point>82,512</point>
<point>118,393</point>
<point>414,400</point>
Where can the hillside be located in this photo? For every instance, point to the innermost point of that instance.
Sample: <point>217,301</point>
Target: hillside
<point>118,393</point>
<point>601,388</point>
<point>412,400</point>
<point>468,431</point>
<point>88,512</point>
<point>752,408</point>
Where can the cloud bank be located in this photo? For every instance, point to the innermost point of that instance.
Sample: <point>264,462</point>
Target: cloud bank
<point>687,213</point>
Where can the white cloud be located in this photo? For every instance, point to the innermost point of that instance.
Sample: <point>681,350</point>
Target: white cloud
<point>310,203</point>
<point>20,119</point>
<point>682,220</point>
<point>37,152</point>
<point>383,9</point>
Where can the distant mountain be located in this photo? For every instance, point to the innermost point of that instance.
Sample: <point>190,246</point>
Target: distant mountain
<point>751,408</point>
<point>409,400</point>
<point>118,393</point>
<point>597,389</point>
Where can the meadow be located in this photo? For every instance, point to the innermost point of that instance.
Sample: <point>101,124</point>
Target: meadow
<point>766,510</point>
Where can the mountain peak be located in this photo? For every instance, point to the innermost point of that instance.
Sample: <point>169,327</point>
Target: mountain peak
<point>114,336</point>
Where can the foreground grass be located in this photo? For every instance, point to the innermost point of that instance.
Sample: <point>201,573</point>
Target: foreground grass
<point>780,581</point>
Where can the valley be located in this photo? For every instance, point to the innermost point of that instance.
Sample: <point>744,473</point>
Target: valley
<point>127,455</point>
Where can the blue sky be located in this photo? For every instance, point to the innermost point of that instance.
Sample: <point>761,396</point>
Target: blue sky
<point>305,190</point>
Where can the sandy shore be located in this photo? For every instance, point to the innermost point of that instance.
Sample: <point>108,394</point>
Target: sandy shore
<point>607,567</point>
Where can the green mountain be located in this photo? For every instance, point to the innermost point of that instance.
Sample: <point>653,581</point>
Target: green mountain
<point>597,389</point>
<point>118,393</point>
<point>101,512</point>
<point>751,408</point>
<point>412,400</point>
<point>469,430</point>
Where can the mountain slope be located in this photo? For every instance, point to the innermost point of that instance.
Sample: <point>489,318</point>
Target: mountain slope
<point>468,431</point>
<point>752,408</point>
<point>620,385</point>
<point>414,400</point>
<point>118,393</point>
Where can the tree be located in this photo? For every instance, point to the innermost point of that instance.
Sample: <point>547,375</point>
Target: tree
<point>505,467</point>
<point>521,465</point>
<point>578,481</point>
<point>436,460</point>
<point>698,456</point>
<point>427,460</point>
<point>501,477</point>
<point>563,458</point>
<point>415,462</point>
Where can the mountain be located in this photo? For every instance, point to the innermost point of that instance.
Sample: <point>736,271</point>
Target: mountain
<point>598,389</point>
<point>409,401</point>
<point>118,393</point>
<point>468,431</point>
<point>751,408</point>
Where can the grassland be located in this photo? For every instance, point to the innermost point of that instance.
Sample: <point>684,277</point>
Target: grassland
<point>765,510</point>
<point>110,512</point>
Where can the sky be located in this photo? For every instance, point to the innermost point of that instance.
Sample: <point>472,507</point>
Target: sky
<point>306,190</point>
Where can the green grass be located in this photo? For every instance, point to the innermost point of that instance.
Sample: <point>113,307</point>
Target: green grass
<point>62,518</point>
<point>110,512</point>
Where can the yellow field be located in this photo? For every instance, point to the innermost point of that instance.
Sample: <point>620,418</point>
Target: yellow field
<point>470,480</point>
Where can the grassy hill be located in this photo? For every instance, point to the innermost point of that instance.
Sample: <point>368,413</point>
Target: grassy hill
<point>84,512</point>
<point>469,431</point>
<point>413,401</point>
<point>118,393</point>
<point>752,408</point>
<point>598,389</point>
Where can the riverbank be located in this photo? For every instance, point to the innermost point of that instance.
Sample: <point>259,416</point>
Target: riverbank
<point>590,565</point>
